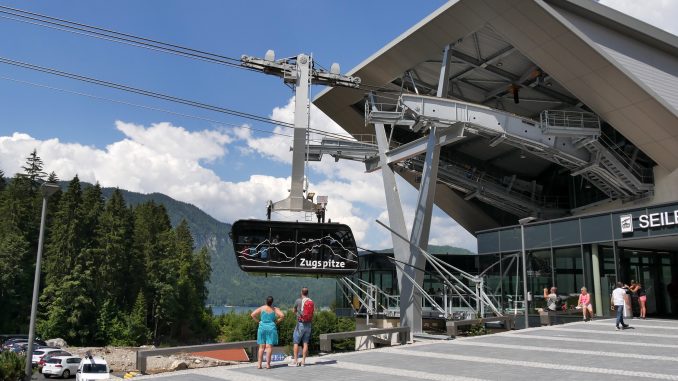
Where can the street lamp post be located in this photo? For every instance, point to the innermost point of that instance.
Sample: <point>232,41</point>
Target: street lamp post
<point>47,189</point>
<point>523,222</point>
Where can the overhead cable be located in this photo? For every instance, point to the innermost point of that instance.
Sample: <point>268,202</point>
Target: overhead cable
<point>147,93</point>
<point>164,97</point>
<point>129,39</point>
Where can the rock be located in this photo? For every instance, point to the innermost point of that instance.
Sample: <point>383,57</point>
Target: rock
<point>58,342</point>
<point>178,365</point>
<point>197,361</point>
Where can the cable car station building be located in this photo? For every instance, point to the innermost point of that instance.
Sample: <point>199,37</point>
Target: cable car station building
<point>563,111</point>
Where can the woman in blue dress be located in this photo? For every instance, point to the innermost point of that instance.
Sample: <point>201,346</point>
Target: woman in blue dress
<point>267,335</point>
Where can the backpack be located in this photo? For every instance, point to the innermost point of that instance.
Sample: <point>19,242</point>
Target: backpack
<point>307,309</point>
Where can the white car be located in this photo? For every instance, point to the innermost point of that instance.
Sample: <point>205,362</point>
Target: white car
<point>92,368</point>
<point>38,353</point>
<point>61,366</point>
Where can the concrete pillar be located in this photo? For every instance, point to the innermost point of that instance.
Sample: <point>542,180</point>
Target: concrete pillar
<point>595,268</point>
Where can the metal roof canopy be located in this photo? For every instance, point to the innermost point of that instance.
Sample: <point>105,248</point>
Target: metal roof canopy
<point>559,54</point>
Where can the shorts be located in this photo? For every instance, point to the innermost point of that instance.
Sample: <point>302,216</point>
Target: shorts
<point>302,333</point>
<point>643,298</point>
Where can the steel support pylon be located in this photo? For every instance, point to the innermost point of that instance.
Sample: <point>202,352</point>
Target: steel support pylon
<point>296,201</point>
<point>409,317</point>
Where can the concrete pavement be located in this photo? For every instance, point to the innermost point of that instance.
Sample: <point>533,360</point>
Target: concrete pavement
<point>575,351</point>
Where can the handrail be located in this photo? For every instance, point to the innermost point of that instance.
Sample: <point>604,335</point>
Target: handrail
<point>642,173</point>
<point>578,119</point>
<point>569,119</point>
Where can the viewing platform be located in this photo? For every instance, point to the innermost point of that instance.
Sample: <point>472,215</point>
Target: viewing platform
<point>574,351</point>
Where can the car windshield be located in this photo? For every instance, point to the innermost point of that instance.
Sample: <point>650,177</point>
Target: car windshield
<point>54,361</point>
<point>38,352</point>
<point>94,368</point>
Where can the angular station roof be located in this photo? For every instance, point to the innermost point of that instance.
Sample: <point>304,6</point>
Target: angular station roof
<point>555,54</point>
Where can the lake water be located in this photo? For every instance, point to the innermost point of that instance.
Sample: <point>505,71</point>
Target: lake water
<point>222,310</point>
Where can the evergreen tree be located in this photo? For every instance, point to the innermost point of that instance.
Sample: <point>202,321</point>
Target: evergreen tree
<point>13,280</point>
<point>53,178</point>
<point>66,235</point>
<point>113,242</point>
<point>153,264</point>
<point>67,301</point>
<point>20,211</point>
<point>137,332</point>
<point>33,170</point>
<point>3,181</point>
<point>90,210</point>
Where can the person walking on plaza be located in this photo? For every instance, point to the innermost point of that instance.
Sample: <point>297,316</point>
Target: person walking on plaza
<point>617,300</point>
<point>303,308</point>
<point>267,335</point>
<point>585,304</point>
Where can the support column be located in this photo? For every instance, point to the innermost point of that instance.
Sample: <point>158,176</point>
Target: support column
<point>595,268</point>
<point>401,250</point>
<point>445,69</point>
<point>421,226</point>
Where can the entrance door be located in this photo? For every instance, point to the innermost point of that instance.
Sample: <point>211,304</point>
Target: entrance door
<point>655,271</point>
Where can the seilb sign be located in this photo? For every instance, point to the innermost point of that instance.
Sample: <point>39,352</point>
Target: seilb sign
<point>648,221</point>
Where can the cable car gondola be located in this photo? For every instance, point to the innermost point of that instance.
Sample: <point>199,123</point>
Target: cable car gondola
<point>294,248</point>
<point>297,248</point>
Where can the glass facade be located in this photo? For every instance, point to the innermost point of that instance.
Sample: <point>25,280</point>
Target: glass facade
<point>595,252</point>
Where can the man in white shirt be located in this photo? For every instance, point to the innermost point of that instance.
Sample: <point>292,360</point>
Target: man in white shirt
<point>617,301</point>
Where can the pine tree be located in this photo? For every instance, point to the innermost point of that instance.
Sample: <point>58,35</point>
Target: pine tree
<point>66,235</point>
<point>33,170</point>
<point>113,242</point>
<point>152,264</point>
<point>53,178</point>
<point>20,211</point>
<point>138,332</point>
<point>67,302</point>
<point>13,279</point>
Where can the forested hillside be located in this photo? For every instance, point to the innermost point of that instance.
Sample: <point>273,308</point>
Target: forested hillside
<point>120,265</point>
<point>111,273</point>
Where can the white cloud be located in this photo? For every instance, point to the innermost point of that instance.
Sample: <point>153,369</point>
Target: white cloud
<point>660,13</point>
<point>170,159</point>
<point>177,141</point>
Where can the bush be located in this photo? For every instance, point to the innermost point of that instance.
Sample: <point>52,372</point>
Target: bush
<point>477,330</point>
<point>240,327</point>
<point>11,366</point>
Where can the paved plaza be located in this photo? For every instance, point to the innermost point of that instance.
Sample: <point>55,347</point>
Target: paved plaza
<point>574,351</point>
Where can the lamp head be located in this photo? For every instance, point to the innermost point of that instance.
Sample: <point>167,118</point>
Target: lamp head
<point>526,220</point>
<point>48,189</point>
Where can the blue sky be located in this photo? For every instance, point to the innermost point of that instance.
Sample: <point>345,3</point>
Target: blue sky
<point>227,171</point>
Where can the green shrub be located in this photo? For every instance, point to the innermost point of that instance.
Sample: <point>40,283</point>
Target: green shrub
<point>11,366</point>
<point>240,327</point>
<point>477,330</point>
